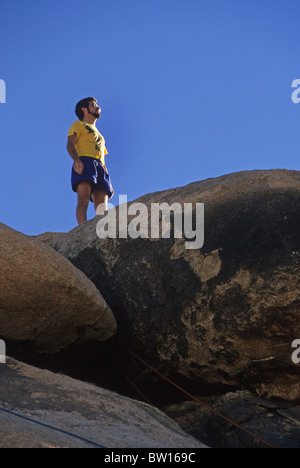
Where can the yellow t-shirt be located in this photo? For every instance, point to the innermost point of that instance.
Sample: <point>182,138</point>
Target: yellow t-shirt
<point>90,141</point>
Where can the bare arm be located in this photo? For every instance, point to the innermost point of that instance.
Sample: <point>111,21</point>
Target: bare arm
<point>78,165</point>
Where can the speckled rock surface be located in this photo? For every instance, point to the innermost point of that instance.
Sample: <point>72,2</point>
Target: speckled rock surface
<point>217,318</point>
<point>74,414</point>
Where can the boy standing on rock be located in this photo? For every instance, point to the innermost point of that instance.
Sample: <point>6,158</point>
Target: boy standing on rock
<point>86,146</point>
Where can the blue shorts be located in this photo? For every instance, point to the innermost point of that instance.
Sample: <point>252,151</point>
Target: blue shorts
<point>94,172</point>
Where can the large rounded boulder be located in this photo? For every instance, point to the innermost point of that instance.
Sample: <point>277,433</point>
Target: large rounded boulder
<point>46,304</point>
<point>220,316</point>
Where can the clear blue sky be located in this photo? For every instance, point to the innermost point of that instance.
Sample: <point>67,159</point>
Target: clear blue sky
<point>189,89</point>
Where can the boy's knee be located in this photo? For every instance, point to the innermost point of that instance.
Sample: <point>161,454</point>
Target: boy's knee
<point>83,201</point>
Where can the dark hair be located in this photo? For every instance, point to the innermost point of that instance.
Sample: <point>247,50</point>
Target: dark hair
<point>83,103</point>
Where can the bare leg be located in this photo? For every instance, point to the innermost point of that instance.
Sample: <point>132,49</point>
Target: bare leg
<point>83,199</point>
<point>100,198</point>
